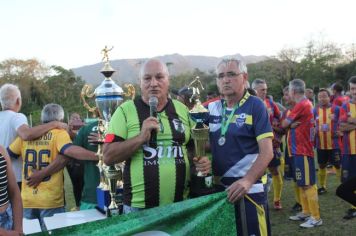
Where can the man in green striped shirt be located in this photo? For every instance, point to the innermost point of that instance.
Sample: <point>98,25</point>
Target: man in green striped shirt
<point>154,174</point>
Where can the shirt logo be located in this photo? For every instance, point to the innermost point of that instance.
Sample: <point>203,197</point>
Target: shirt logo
<point>178,125</point>
<point>163,155</point>
<point>240,120</point>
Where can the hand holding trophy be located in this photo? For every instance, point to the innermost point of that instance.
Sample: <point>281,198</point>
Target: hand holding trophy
<point>201,183</point>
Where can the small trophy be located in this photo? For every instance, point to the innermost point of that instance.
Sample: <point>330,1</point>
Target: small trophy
<point>108,96</point>
<point>201,184</point>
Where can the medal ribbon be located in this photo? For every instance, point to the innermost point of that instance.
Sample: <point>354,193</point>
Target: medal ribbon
<point>225,123</point>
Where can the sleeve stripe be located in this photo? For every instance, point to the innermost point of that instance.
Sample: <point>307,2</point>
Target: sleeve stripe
<point>12,154</point>
<point>265,135</point>
<point>65,147</point>
<point>112,138</point>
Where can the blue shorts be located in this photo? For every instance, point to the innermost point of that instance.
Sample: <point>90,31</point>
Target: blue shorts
<point>331,156</point>
<point>35,213</point>
<point>304,170</point>
<point>275,162</point>
<point>257,218</point>
<point>6,221</point>
<point>348,166</point>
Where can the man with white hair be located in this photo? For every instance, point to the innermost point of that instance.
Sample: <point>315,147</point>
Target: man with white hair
<point>241,145</point>
<point>47,198</point>
<point>15,124</point>
<point>300,122</point>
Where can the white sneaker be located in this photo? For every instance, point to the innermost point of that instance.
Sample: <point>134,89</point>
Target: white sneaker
<point>311,222</point>
<point>299,217</point>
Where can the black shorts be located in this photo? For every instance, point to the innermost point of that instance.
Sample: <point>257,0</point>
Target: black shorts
<point>331,156</point>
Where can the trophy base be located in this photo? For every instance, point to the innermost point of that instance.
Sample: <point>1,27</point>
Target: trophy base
<point>201,186</point>
<point>103,201</point>
<point>114,212</point>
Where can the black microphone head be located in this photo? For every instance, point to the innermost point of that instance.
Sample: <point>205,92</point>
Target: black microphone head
<point>153,101</point>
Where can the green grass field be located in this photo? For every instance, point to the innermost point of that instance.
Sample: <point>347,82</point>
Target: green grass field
<point>331,207</point>
<point>69,196</point>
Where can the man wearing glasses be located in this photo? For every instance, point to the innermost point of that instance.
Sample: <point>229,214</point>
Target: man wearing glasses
<point>241,144</point>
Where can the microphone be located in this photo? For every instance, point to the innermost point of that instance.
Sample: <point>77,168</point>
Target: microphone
<point>153,102</point>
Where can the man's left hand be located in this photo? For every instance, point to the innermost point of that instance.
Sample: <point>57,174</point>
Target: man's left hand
<point>202,164</point>
<point>238,189</point>
<point>35,179</point>
<point>295,124</point>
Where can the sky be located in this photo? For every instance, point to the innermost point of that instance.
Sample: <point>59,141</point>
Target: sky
<point>71,33</point>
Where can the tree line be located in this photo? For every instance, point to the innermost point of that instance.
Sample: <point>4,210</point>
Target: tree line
<point>319,64</point>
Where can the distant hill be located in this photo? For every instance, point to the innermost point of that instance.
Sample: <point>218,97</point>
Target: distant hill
<point>127,69</point>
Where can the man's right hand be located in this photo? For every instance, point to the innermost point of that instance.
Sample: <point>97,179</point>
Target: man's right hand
<point>35,179</point>
<point>238,190</point>
<point>60,125</point>
<point>151,123</point>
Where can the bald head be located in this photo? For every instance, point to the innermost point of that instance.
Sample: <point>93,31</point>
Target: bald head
<point>154,62</point>
<point>154,80</point>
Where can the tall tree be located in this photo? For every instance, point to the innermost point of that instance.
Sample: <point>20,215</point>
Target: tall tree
<point>27,74</point>
<point>318,64</point>
<point>64,88</point>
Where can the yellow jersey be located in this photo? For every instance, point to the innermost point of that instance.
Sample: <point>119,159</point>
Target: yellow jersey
<point>38,154</point>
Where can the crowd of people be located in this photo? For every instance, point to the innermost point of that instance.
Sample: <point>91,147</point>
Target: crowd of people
<point>251,139</point>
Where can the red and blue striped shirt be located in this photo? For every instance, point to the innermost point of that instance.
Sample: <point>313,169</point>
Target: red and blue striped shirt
<point>300,138</point>
<point>349,138</point>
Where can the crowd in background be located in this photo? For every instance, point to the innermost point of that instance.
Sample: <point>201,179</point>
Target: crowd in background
<point>254,142</point>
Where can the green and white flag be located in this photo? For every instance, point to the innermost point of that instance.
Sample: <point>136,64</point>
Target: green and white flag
<point>207,215</point>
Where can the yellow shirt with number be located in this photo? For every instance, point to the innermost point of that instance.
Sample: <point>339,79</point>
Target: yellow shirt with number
<point>38,154</point>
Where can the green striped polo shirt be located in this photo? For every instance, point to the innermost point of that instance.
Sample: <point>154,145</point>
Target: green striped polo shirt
<point>154,176</point>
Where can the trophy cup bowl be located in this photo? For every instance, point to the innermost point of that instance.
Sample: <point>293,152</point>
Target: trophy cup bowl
<point>108,96</point>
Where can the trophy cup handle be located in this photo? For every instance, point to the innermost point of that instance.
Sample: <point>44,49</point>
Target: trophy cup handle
<point>131,92</point>
<point>86,92</point>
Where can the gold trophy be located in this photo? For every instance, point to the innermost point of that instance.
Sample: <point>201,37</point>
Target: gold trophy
<point>200,134</point>
<point>108,96</point>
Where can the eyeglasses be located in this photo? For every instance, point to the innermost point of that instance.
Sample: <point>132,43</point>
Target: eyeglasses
<point>229,75</point>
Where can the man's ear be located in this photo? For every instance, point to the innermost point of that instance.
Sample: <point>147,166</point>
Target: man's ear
<point>18,104</point>
<point>245,76</point>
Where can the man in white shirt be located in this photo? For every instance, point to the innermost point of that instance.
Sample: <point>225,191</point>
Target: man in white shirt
<point>15,124</point>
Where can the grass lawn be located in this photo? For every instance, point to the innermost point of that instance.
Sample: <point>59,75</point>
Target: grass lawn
<point>331,207</point>
<point>69,196</point>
